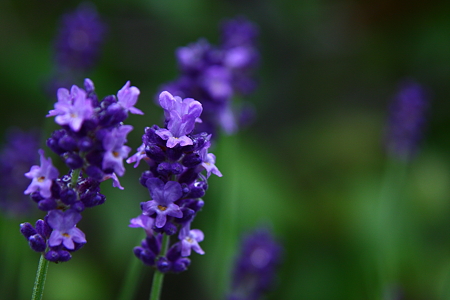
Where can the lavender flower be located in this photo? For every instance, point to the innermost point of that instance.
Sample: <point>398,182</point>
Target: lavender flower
<point>42,176</point>
<point>181,116</point>
<point>127,98</point>
<point>215,74</point>
<point>176,158</point>
<point>16,156</point>
<point>406,120</point>
<point>163,197</point>
<point>64,229</point>
<point>91,142</point>
<point>115,150</point>
<point>77,45</point>
<point>255,265</point>
<point>191,242</point>
<point>72,108</point>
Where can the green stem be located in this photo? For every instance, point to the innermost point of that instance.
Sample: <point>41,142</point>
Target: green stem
<point>132,278</point>
<point>75,175</point>
<point>41,274</point>
<point>158,276</point>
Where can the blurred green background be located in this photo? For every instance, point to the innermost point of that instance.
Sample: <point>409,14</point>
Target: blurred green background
<point>312,164</point>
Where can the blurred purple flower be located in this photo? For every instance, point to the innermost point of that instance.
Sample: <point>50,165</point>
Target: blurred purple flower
<point>81,34</point>
<point>255,266</point>
<point>406,120</point>
<point>17,155</point>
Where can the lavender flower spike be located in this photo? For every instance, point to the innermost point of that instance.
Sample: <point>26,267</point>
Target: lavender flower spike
<point>72,108</point>
<point>64,229</point>
<point>163,197</point>
<point>406,120</point>
<point>127,97</point>
<point>42,176</point>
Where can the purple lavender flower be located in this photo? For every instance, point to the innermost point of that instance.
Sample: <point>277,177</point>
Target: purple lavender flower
<point>64,228</point>
<point>181,116</point>
<point>16,156</point>
<point>127,97</point>
<point>115,150</point>
<point>72,108</point>
<point>115,180</point>
<point>42,176</point>
<point>175,181</point>
<point>255,266</point>
<point>91,142</point>
<point>143,221</point>
<point>138,156</point>
<point>213,75</point>
<point>77,46</point>
<point>208,162</point>
<point>191,241</point>
<point>406,121</point>
<point>81,33</point>
<point>163,196</point>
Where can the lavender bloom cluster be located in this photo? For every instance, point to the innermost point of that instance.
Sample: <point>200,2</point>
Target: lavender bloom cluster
<point>177,160</point>
<point>91,142</point>
<point>77,45</point>
<point>406,120</point>
<point>213,75</point>
<point>16,156</point>
<point>255,266</point>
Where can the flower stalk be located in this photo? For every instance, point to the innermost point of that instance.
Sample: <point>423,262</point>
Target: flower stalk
<point>39,282</point>
<point>158,276</point>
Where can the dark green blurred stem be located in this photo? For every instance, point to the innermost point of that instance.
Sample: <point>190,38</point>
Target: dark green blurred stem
<point>158,276</point>
<point>132,278</point>
<point>41,274</point>
<point>391,225</point>
<point>227,216</point>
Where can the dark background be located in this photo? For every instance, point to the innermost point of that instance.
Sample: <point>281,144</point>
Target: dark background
<point>312,164</point>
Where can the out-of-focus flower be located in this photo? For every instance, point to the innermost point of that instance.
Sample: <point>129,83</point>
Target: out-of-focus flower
<point>18,153</point>
<point>255,266</point>
<point>406,120</point>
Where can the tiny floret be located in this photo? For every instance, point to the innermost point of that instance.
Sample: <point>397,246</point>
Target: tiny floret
<point>181,116</point>
<point>163,197</point>
<point>127,98</point>
<point>72,108</point>
<point>64,228</point>
<point>42,176</point>
<point>115,150</point>
<point>191,242</point>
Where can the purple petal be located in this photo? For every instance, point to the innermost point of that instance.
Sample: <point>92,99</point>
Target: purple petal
<point>198,234</point>
<point>156,188</point>
<point>68,242</point>
<point>174,210</point>
<point>78,235</point>
<point>161,219</point>
<point>172,191</point>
